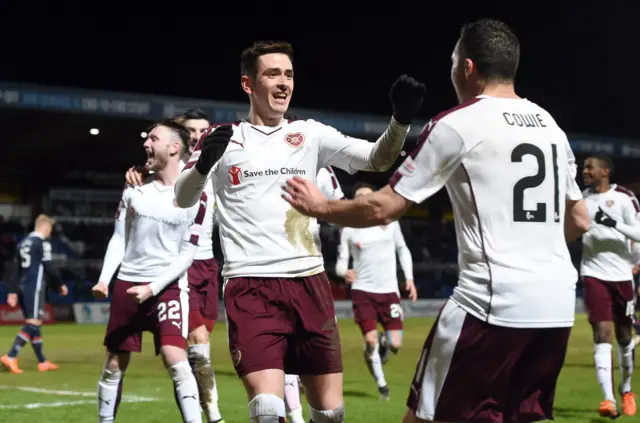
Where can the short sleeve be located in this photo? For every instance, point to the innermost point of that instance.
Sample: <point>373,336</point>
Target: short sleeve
<point>439,153</point>
<point>573,190</point>
<point>196,215</point>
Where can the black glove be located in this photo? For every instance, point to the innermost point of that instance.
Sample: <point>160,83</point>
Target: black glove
<point>212,148</point>
<point>406,98</point>
<point>604,219</point>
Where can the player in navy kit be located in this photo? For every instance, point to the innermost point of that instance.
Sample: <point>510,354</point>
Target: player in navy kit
<point>28,288</point>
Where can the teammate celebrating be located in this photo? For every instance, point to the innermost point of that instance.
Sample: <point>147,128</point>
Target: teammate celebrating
<point>374,285</point>
<point>508,321</point>
<point>154,243</point>
<point>606,271</point>
<point>280,312</point>
<point>29,289</point>
<point>202,278</point>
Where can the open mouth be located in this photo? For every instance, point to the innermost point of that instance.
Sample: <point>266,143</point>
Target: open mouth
<point>280,97</point>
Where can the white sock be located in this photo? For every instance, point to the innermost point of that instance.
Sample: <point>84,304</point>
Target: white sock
<point>626,363</point>
<point>200,360</point>
<point>375,365</point>
<point>604,371</point>
<point>186,390</point>
<point>266,408</point>
<point>327,416</point>
<point>295,416</point>
<point>108,395</point>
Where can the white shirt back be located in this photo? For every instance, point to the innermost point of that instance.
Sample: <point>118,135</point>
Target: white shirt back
<point>374,257</point>
<point>261,234</point>
<point>508,169</point>
<point>606,253</point>
<point>155,229</point>
<point>205,244</point>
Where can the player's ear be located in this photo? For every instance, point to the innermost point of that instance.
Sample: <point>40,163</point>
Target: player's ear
<point>247,84</point>
<point>469,67</point>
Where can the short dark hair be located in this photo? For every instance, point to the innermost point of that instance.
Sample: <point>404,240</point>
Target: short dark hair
<point>249,56</point>
<point>605,161</point>
<point>194,114</point>
<point>360,185</point>
<point>178,128</point>
<point>492,46</point>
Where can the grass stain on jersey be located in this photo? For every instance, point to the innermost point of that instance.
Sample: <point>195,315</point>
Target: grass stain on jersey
<point>298,230</point>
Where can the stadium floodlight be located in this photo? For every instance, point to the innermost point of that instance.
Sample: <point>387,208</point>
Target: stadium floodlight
<point>94,131</point>
<point>143,134</point>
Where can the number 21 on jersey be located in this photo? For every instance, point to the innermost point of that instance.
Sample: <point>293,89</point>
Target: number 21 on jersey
<point>533,181</point>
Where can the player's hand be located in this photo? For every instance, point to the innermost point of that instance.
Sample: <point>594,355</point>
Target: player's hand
<point>12,300</point>
<point>212,147</point>
<point>64,290</point>
<point>140,293</point>
<point>604,219</point>
<point>100,290</point>
<point>406,97</point>
<point>305,197</point>
<point>135,175</point>
<point>410,287</point>
<point>634,271</point>
<point>350,276</point>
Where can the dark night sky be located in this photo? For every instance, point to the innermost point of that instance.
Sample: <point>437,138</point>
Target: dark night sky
<point>579,63</point>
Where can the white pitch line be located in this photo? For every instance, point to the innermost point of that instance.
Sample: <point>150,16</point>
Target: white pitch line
<point>128,398</point>
<point>34,405</point>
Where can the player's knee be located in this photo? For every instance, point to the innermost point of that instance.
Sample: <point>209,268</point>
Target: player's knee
<point>116,362</point>
<point>327,416</point>
<point>110,377</point>
<point>266,405</point>
<point>371,340</point>
<point>180,372</point>
<point>198,336</point>
<point>172,355</point>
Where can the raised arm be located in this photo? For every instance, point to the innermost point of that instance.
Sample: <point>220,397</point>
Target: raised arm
<point>630,225</point>
<point>202,165</point>
<point>353,154</point>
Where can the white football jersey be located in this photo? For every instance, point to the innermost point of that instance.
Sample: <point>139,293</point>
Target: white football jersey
<point>328,184</point>
<point>261,234</point>
<point>155,228</point>
<point>606,253</point>
<point>508,169</point>
<point>374,257</point>
<point>205,245</point>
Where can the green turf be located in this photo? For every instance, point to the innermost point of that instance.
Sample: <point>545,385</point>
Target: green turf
<point>78,349</point>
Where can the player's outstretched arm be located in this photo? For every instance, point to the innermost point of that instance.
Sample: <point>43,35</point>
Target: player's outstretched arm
<point>353,154</point>
<point>378,208</point>
<point>576,219</point>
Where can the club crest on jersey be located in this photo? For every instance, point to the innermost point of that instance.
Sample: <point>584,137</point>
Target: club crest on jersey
<point>609,203</point>
<point>234,174</point>
<point>295,139</point>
